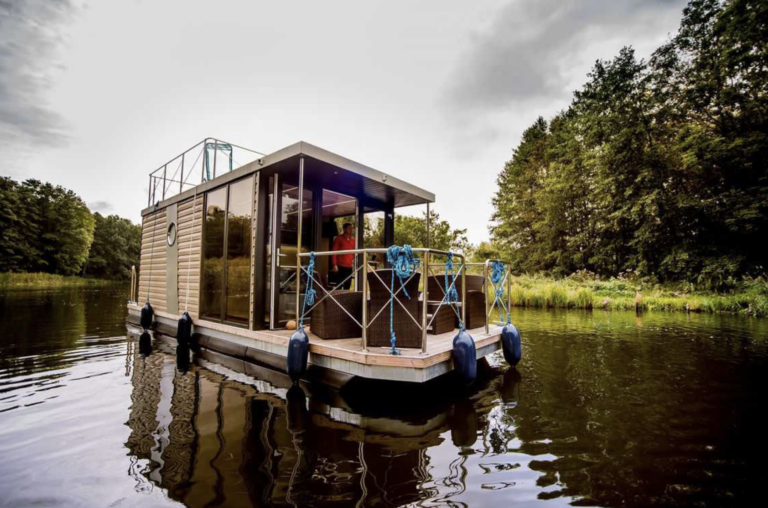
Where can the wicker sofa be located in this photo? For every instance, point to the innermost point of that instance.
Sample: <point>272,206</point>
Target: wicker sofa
<point>475,297</point>
<point>329,321</point>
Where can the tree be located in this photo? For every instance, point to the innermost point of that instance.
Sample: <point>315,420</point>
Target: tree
<point>45,228</point>
<point>659,167</point>
<point>413,231</point>
<point>115,248</point>
<point>19,228</point>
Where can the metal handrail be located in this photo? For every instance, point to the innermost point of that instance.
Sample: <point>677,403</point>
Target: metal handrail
<point>424,266</point>
<point>507,279</point>
<point>161,173</point>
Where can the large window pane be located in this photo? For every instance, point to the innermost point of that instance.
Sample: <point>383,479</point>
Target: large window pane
<point>213,248</point>
<point>239,251</point>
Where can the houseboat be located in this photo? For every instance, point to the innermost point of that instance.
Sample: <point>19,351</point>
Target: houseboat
<point>244,246</point>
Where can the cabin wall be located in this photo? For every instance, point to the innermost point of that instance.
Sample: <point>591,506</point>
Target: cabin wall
<point>153,269</point>
<point>190,230</point>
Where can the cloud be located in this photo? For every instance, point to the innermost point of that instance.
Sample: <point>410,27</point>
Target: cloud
<point>101,207</point>
<point>30,35</point>
<point>534,53</point>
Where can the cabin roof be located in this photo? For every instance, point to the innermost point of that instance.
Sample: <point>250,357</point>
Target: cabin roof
<point>324,166</point>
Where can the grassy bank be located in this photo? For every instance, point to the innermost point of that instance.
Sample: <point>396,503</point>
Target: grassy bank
<point>583,292</point>
<point>47,280</point>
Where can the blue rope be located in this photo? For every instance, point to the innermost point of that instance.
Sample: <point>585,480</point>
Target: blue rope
<point>309,293</point>
<point>403,266</point>
<point>451,295</point>
<point>497,278</point>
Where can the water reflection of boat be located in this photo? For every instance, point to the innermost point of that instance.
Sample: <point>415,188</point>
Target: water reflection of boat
<point>218,431</point>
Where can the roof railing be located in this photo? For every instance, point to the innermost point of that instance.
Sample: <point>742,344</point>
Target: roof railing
<point>197,165</point>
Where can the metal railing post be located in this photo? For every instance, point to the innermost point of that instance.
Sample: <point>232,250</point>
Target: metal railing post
<point>464,291</point>
<point>215,156</point>
<point>364,286</point>
<point>165,179</point>
<point>509,293</point>
<point>181,180</point>
<point>298,240</point>
<point>425,302</point>
<point>485,293</point>
<point>149,192</point>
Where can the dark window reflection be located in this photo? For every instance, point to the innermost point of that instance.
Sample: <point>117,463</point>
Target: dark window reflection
<point>227,253</point>
<point>213,248</point>
<point>239,251</point>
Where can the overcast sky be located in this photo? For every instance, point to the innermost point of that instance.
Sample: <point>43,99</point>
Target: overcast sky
<point>94,96</point>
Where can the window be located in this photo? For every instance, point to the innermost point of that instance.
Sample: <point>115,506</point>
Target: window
<point>172,233</point>
<point>227,253</point>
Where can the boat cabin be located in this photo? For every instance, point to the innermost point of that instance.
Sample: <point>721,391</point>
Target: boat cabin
<point>233,237</point>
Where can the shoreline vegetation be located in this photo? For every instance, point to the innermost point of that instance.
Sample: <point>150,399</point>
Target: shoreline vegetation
<point>537,291</point>
<point>580,291</point>
<point>11,280</point>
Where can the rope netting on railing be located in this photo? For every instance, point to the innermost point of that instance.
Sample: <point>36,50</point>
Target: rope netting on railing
<point>403,265</point>
<point>498,269</point>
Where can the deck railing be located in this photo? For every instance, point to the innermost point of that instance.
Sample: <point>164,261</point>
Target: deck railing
<point>205,161</point>
<point>362,255</point>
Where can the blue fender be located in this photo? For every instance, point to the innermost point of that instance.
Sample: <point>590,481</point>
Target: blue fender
<point>147,315</point>
<point>184,330</point>
<point>463,422</point>
<point>465,356</point>
<point>298,352</point>
<point>511,344</point>
<point>182,358</point>
<point>296,415</point>
<point>145,345</point>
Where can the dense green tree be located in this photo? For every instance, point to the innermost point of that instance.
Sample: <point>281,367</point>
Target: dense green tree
<point>19,228</point>
<point>413,231</point>
<point>45,228</point>
<point>658,167</point>
<point>115,248</point>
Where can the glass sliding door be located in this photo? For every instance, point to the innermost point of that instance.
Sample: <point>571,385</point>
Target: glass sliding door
<point>213,254</point>
<point>227,253</point>
<point>284,245</point>
<point>238,266</point>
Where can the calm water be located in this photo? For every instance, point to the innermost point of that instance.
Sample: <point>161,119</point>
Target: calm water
<point>607,409</point>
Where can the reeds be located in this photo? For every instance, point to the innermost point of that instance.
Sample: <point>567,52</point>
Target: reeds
<point>48,280</point>
<point>545,292</point>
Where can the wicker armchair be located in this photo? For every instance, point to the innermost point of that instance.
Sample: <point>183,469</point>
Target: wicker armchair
<point>475,297</point>
<point>407,331</point>
<point>329,321</point>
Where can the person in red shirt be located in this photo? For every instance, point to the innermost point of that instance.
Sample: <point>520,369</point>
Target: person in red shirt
<point>342,265</point>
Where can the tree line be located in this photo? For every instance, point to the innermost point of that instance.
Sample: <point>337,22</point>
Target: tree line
<point>47,228</point>
<point>657,167</point>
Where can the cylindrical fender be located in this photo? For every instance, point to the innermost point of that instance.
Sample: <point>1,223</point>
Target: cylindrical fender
<point>145,344</point>
<point>298,353</point>
<point>184,330</point>
<point>465,357</point>
<point>511,344</point>
<point>147,316</point>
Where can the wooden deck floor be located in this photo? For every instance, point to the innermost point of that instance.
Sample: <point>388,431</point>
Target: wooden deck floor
<point>438,348</point>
